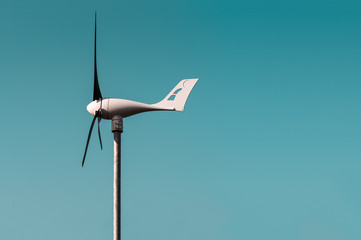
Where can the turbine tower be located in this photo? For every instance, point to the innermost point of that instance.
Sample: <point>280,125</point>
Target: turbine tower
<point>116,109</point>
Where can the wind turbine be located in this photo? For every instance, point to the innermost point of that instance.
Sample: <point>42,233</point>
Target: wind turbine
<point>116,109</point>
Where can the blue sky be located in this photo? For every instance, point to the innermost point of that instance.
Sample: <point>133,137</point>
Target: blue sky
<point>268,146</point>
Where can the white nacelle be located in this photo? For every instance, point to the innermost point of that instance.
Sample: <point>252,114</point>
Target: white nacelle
<point>174,101</point>
<point>125,108</point>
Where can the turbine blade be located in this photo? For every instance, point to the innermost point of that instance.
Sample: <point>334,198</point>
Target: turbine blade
<point>96,93</point>
<point>90,133</point>
<point>100,138</point>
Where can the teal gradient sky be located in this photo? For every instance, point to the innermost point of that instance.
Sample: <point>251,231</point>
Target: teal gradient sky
<point>269,145</point>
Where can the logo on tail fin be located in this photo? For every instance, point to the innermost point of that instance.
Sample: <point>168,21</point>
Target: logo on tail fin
<point>172,97</point>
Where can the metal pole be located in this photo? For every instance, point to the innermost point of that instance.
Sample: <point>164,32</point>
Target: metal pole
<point>117,129</point>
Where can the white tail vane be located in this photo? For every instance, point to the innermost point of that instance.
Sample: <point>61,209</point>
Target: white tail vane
<point>177,98</point>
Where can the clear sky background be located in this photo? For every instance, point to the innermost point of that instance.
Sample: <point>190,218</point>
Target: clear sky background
<point>269,145</point>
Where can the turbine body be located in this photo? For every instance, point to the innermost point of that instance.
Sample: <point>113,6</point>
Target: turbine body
<point>174,101</point>
<point>120,107</point>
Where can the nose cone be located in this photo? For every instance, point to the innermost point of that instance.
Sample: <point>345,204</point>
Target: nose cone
<point>92,107</point>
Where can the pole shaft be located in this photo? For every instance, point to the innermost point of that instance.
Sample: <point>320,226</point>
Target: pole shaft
<point>117,129</point>
<point>116,187</point>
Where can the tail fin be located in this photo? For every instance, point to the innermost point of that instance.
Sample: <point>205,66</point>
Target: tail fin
<point>177,98</point>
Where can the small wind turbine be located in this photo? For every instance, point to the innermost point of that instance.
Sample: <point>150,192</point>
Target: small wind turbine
<point>116,109</point>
